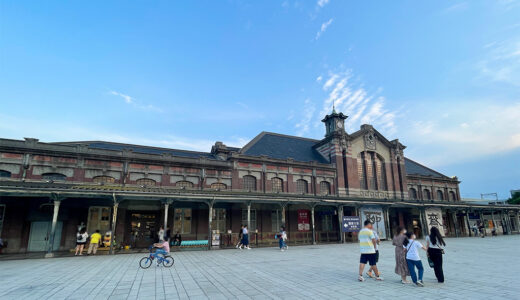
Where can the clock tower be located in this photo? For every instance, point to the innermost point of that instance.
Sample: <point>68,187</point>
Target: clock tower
<point>334,123</point>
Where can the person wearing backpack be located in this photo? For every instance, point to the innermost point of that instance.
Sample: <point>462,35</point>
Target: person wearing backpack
<point>435,244</point>
<point>411,246</point>
<point>282,237</point>
<point>81,240</point>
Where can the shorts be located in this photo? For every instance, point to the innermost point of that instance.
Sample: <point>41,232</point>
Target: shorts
<point>368,257</point>
<point>80,243</point>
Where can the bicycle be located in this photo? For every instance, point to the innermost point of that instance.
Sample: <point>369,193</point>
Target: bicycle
<point>164,259</point>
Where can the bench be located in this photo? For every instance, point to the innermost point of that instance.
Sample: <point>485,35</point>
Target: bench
<point>194,244</point>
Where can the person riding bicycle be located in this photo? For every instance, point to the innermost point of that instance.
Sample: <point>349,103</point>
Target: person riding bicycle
<point>163,247</point>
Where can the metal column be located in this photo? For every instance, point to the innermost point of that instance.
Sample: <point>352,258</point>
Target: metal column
<point>340,222</point>
<point>313,227</point>
<point>467,224</point>
<point>53,228</point>
<point>422,219</point>
<point>210,220</point>
<point>455,223</point>
<point>113,225</point>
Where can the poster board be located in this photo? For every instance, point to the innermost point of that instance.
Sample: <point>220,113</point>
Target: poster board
<point>304,220</point>
<point>434,218</point>
<point>376,216</point>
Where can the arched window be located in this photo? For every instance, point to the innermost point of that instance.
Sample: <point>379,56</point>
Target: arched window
<point>277,185</point>
<point>412,193</point>
<point>324,188</point>
<point>103,179</point>
<point>54,176</point>
<point>381,173</point>
<point>371,171</point>
<point>145,182</point>
<point>249,183</point>
<point>452,196</point>
<point>218,186</point>
<point>427,195</point>
<point>301,186</point>
<point>5,174</point>
<point>362,170</point>
<point>184,184</point>
<point>440,195</point>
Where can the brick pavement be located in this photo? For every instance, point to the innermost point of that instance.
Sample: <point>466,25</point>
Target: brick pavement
<point>474,268</point>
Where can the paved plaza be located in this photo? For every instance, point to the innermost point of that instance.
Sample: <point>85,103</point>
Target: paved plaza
<point>475,268</point>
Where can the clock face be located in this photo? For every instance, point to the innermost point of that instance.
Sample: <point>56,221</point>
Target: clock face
<point>339,125</point>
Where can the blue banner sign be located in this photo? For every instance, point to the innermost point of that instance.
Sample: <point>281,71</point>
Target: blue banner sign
<point>351,224</point>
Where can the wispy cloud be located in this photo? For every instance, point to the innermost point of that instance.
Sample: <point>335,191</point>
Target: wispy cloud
<point>303,126</point>
<point>322,3</point>
<point>456,7</point>
<point>323,27</point>
<point>502,62</point>
<point>132,101</point>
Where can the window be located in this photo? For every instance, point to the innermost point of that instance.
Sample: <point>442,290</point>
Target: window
<point>98,218</point>
<point>104,179</point>
<point>440,195</point>
<point>276,220</point>
<point>218,186</point>
<point>251,226</point>
<point>145,182</point>
<point>277,185</point>
<point>362,170</point>
<point>184,184</point>
<point>370,163</point>
<point>219,220</point>
<point>324,188</point>
<point>381,173</point>
<point>452,196</point>
<point>427,195</point>
<point>301,186</point>
<point>182,220</point>
<point>54,176</point>
<point>249,183</point>
<point>412,193</point>
<point>326,222</point>
<point>5,173</point>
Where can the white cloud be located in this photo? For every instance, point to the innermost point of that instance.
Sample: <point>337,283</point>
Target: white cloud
<point>502,62</point>
<point>303,126</point>
<point>322,3</point>
<point>319,78</point>
<point>472,130</point>
<point>323,27</point>
<point>456,7</point>
<point>130,100</point>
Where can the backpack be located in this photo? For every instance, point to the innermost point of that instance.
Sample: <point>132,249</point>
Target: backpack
<point>79,237</point>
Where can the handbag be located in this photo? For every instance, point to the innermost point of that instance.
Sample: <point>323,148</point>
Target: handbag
<point>430,262</point>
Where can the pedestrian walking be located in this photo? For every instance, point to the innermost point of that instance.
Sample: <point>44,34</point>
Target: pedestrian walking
<point>95,239</point>
<point>401,266</point>
<point>282,237</point>
<point>376,246</point>
<point>240,233</point>
<point>367,244</point>
<point>435,244</point>
<point>81,240</point>
<point>160,234</point>
<point>413,259</point>
<point>245,237</point>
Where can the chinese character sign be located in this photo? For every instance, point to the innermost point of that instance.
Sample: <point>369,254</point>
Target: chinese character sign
<point>303,220</point>
<point>376,216</point>
<point>351,224</point>
<point>434,218</point>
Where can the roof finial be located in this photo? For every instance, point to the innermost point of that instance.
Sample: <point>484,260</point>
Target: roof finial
<point>333,107</point>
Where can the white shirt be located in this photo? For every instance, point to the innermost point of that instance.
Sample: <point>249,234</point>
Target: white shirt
<point>82,238</point>
<point>244,231</point>
<point>412,250</point>
<point>430,245</point>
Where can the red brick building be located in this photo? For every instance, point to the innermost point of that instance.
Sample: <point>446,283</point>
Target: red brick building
<point>49,190</point>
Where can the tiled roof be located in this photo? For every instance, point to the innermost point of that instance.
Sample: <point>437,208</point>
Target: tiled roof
<point>143,149</point>
<point>415,168</point>
<point>280,146</point>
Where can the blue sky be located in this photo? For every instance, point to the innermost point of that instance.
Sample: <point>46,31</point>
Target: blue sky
<point>442,76</point>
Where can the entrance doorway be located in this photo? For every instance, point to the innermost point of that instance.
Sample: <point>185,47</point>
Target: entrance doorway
<point>144,229</point>
<point>40,234</point>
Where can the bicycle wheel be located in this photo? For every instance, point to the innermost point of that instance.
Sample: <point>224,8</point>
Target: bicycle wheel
<point>145,262</point>
<point>168,261</point>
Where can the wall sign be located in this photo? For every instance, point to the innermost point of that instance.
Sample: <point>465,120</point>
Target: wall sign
<point>434,218</point>
<point>303,220</point>
<point>351,224</point>
<point>376,216</point>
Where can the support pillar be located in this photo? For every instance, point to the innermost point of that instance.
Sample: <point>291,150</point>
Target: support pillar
<point>166,208</point>
<point>467,223</point>
<point>455,223</point>
<point>422,219</point>
<point>494,222</point>
<point>313,227</point>
<point>249,216</point>
<point>210,220</point>
<point>340,221</point>
<point>503,222</point>
<point>283,215</point>
<point>387,223</point>
<point>55,213</point>
<point>113,225</point>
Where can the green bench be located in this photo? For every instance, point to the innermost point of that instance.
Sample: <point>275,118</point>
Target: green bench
<point>194,244</point>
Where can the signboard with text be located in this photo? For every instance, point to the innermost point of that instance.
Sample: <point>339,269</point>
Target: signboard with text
<point>434,218</point>
<point>304,220</point>
<point>351,224</point>
<point>376,216</point>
